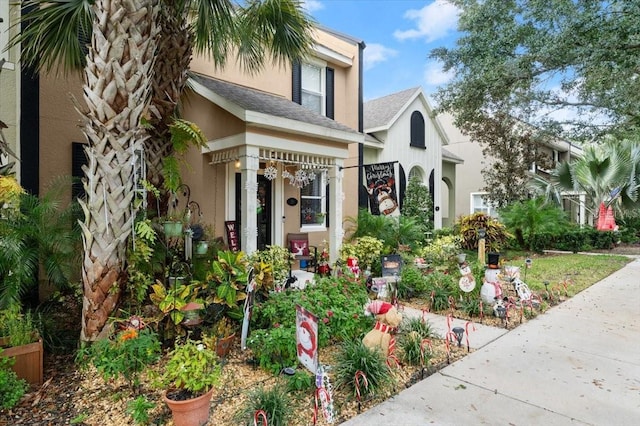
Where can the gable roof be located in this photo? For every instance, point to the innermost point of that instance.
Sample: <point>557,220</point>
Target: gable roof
<point>270,111</point>
<point>450,157</point>
<point>380,112</point>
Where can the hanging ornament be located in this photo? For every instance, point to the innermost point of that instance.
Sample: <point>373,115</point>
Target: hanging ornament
<point>271,173</point>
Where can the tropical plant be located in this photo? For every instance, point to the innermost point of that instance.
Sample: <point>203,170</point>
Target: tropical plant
<point>527,219</point>
<point>354,357</point>
<point>123,78</point>
<point>11,387</point>
<point>37,232</point>
<point>393,232</point>
<point>227,278</point>
<point>126,355</point>
<point>496,234</point>
<point>442,250</point>
<point>193,367</point>
<point>608,173</point>
<point>366,249</point>
<point>275,402</point>
<point>171,299</point>
<point>270,267</point>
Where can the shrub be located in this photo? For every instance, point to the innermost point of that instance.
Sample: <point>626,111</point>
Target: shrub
<point>528,218</point>
<point>412,350</point>
<point>354,356</point>
<point>441,251</point>
<point>467,227</point>
<point>11,387</point>
<point>127,354</point>
<point>366,249</point>
<point>275,402</point>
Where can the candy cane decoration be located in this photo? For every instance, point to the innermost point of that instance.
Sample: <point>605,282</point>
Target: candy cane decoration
<point>466,329</point>
<point>452,304</point>
<point>392,359</point>
<point>450,335</point>
<point>365,382</point>
<point>449,320</point>
<point>422,343</point>
<point>424,315</point>
<point>257,415</point>
<point>481,311</point>
<point>432,298</point>
<point>320,392</point>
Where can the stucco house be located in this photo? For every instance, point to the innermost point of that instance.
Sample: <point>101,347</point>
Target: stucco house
<point>402,128</point>
<point>469,197</point>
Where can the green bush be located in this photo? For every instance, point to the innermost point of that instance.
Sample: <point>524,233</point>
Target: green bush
<point>467,228</point>
<point>275,402</point>
<point>354,356</point>
<point>11,387</point>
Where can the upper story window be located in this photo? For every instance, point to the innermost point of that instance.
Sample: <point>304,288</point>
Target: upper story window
<point>313,87</point>
<point>417,130</point>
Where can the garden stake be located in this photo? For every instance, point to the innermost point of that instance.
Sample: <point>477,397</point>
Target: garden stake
<point>481,311</point>
<point>257,415</point>
<point>432,297</point>
<point>359,374</point>
<point>449,320</point>
<point>466,329</point>
<point>325,411</point>
<point>424,315</point>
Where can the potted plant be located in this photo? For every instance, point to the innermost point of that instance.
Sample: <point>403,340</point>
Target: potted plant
<point>21,341</point>
<point>320,218</point>
<point>189,378</point>
<point>12,388</point>
<point>225,332</point>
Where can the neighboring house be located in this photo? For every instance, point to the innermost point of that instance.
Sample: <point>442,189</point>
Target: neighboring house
<point>402,128</point>
<point>9,84</point>
<point>282,144</point>
<point>470,183</point>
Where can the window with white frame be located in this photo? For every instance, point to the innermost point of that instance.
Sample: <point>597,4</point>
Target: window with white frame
<point>312,206</point>
<point>480,204</point>
<point>313,87</point>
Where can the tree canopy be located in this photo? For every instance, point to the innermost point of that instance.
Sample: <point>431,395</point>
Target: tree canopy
<point>567,67</point>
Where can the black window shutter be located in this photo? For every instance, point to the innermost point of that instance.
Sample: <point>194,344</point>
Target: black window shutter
<point>417,130</point>
<point>330,93</point>
<point>78,159</point>
<point>296,84</point>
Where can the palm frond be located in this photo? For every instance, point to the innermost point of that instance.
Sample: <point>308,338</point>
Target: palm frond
<point>54,34</point>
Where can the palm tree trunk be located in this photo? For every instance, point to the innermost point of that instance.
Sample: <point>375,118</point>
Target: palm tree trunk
<point>173,56</point>
<point>117,89</point>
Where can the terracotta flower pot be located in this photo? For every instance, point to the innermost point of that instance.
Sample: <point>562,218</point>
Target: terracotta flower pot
<point>190,412</point>
<point>223,345</point>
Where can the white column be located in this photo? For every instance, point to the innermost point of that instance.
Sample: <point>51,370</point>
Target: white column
<point>335,214</point>
<point>249,164</point>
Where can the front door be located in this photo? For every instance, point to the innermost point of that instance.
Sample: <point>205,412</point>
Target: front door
<point>264,212</point>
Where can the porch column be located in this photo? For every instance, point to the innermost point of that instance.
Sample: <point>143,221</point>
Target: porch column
<point>335,214</point>
<point>249,164</point>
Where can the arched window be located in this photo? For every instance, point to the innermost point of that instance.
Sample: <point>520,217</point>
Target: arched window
<point>417,130</point>
<point>415,173</point>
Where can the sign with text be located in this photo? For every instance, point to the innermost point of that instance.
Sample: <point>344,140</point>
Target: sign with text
<point>232,235</point>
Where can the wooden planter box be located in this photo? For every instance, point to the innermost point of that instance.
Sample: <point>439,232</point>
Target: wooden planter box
<point>29,360</point>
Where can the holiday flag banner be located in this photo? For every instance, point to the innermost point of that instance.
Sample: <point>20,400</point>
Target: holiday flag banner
<point>307,338</point>
<point>381,187</point>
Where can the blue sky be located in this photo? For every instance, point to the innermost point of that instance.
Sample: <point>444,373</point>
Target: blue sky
<point>399,34</point>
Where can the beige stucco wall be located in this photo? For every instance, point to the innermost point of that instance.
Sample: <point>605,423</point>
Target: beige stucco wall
<point>468,175</point>
<point>10,81</point>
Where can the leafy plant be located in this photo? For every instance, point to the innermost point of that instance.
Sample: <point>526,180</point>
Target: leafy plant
<point>170,300</point>
<point>301,380</point>
<point>127,354</point>
<point>366,249</point>
<point>183,135</point>
<point>228,278</point>
<point>527,219</point>
<point>413,350</point>
<point>274,348</point>
<point>270,267</point>
<point>139,408</point>
<point>193,366</point>
<point>417,325</point>
<point>353,357</point>
<point>223,328</point>
<point>275,402</point>
<point>391,231</point>
<point>496,233</point>
<point>418,204</point>
<point>11,387</point>
<point>442,250</point>
<point>20,329</point>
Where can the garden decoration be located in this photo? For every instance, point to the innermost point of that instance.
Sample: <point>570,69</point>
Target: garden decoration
<point>324,394</point>
<point>387,320</point>
<point>466,328</point>
<point>359,374</point>
<point>260,416</point>
<point>467,282</point>
<point>458,332</point>
<point>248,308</point>
<point>422,345</point>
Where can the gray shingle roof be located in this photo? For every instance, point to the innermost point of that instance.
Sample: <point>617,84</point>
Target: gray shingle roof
<point>448,155</point>
<point>266,103</point>
<point>379,112</point>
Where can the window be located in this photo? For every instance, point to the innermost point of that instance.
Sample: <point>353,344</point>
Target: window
<point>313,87</point>
<point>312,208</point>
<point>415,173</point>
<point>479,204</point>
<point>417,130</point>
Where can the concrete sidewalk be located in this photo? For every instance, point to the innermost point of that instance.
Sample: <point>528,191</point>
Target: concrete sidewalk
<point>578,363</point>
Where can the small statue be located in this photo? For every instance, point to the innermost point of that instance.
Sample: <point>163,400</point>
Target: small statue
<point>387,320</point>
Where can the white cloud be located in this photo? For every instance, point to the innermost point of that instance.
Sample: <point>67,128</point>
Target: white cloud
<point>434,21</point>
<point>376,53</point>
<point>434,75</point>
<point>312,5</point>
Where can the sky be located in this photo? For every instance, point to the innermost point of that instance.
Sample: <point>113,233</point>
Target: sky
<point>399,35</point>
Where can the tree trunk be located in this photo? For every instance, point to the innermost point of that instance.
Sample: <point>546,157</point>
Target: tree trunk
<point>116,92</point>
<point>173,56</point>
